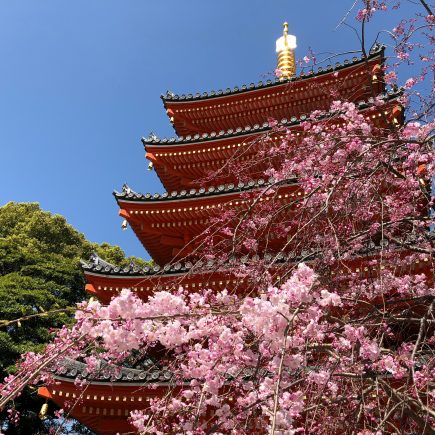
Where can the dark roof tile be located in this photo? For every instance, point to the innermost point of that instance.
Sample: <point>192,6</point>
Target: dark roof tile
<point>127,194</point>
<point>152,139</point>
<point>146,372</point>
<point>376,50</point>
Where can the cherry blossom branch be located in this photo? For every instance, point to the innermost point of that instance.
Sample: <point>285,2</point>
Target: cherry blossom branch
<point>426,6</point>
<point>280,368</point>
<point>5,323</point>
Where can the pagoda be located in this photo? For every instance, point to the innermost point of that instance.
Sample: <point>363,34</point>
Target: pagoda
<point>212,128</point>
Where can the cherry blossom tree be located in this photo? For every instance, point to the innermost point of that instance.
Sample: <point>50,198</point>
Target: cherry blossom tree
<point>334,331</point>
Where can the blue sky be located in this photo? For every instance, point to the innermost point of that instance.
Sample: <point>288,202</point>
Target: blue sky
<point>80,84</point>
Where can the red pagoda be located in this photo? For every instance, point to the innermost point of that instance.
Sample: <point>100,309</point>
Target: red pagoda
<point>211,128</point>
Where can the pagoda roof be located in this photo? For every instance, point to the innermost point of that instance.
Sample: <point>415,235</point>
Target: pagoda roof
<point>168,224</point>
<point>375,51</point>
<point>106,280</point>
<point>129,195</point>
<point>110,393</point>
<point>249,105</point>
<point>148,372</point>
<point>98,266</point>
<point>197,138</point>
<point>187,162</point>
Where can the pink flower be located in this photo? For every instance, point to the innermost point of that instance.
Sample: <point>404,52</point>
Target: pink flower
<point>278,72</point>
<point>320,378</point>
<point>272,122</point>
<point>390,77</point>
<point>410,83</point>
<point>13,416</point>
<point>403,55</point>
<point>329,299</point>
<point>362,13</point>
<point>59,413</point>
<point>369,350</point>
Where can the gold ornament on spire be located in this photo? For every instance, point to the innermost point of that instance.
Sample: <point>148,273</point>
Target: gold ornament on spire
<point>285,47</point>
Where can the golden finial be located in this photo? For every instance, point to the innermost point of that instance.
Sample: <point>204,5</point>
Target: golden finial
<point>285,25</point>
<point>285,47</point>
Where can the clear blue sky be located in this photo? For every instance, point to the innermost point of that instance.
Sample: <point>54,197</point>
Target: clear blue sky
<point>80,83</point>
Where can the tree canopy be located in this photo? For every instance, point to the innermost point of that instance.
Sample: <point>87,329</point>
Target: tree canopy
<point>40,278</point>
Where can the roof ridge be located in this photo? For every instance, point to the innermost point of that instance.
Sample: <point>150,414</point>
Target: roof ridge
<point>128,194</point>
<point>96,259</point>
<point>374,51</point>
<point>203,265</point>
<point>239,131</point>
<point>70,368</point>
<point>180,267</point>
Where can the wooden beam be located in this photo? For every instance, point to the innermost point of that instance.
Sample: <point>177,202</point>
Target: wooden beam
<point>176,242</point>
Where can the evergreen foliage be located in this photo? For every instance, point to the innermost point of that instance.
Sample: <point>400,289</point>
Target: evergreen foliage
<point>40,275</point>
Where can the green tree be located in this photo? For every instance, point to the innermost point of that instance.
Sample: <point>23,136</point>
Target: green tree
<point>40,275</point>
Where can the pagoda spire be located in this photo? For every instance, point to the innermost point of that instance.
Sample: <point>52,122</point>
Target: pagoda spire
<point>285,46</point>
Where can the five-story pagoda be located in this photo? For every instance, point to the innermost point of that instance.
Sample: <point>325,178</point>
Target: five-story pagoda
<point>212,129</point>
